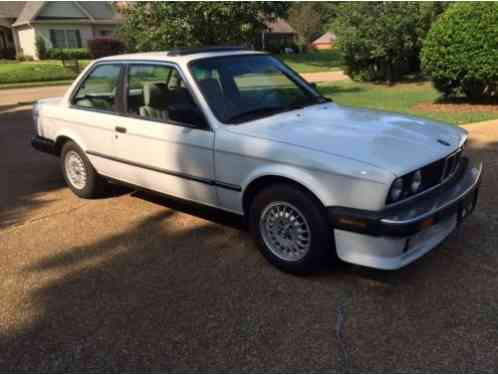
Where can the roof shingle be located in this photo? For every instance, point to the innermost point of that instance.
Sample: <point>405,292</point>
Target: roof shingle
<point>11,9</point>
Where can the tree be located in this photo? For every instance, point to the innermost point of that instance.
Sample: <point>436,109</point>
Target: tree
<point>381,41</point>
<point>460,53</point>
<point>306,21</point>
<point>41,48</point>
<point>153,26</point>
<point>327,11</point>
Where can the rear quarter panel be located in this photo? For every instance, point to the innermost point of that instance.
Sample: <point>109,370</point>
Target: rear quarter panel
<point>90,130</point>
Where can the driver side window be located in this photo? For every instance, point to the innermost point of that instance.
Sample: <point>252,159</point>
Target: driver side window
<point>99,89</point>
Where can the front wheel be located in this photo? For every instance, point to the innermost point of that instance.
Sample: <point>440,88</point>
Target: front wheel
<point>290,228</point>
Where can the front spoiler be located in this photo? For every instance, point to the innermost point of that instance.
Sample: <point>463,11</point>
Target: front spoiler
<point>416,215</point>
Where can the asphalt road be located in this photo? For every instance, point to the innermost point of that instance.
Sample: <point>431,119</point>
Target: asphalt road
<point>132,283</point>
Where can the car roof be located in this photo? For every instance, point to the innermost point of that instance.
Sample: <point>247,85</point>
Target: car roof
<point>180,58</point>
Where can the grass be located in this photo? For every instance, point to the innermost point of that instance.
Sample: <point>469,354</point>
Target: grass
<point>402,98</point>
<point>21,85</point>
<point>13,72</point>
<point>312,62</point>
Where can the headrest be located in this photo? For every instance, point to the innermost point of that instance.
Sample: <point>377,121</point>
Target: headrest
<point>155,94</point>
<point>211,87</point>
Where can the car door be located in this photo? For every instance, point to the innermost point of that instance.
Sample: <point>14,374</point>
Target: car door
<point>95,106</point>
<point>163,142</point>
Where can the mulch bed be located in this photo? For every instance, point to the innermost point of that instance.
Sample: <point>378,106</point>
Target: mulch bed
<point>456,105</point>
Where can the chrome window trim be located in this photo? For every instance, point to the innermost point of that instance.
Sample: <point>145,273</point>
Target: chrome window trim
<point>124,63</point>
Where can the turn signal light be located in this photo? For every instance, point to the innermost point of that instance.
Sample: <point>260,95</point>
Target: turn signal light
<point>353,222</point>
<point>426,223</point>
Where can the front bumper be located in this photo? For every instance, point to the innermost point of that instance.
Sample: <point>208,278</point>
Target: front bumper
<point>394,237</point>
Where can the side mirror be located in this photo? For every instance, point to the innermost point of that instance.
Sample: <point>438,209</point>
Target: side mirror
<point>314,86</point>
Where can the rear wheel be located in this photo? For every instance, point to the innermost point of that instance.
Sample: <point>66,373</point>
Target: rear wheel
<point>78,172</point>
<point>290,228</point>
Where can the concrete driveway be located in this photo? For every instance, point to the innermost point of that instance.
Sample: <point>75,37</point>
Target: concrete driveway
<point>136,284</point>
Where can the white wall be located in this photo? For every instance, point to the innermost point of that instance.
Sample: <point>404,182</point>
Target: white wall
<point>26,38</point>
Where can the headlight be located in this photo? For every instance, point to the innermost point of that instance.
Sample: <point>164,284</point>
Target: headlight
<point>396,190</point>
<point>416,182</point>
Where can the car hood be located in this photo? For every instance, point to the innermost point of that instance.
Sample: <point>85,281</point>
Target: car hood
<point>395,142</point>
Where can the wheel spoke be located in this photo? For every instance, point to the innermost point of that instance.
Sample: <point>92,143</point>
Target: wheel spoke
<point>285,231</point>
<point>75,170</point>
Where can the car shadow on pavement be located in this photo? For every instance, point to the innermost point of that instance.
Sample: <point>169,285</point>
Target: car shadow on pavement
<point>25,173</point>
<point>31,181</point>
<point>165,286</point>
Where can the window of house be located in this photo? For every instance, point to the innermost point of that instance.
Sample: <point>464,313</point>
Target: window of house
<point>99,89</point>
<point>105,32</point>
<point>65,38</point>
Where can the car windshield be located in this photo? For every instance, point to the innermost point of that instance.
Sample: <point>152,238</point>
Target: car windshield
<point>247,87</point>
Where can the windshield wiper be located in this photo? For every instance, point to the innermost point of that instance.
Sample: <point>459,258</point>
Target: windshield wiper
<point>256,113</point>
<point>305,103</point>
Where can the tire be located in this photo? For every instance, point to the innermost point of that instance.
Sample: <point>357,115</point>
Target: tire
<point>91,186</point>
<point>307,251</point>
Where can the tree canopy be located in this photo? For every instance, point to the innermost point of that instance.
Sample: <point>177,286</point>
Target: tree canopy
<point>381,41</point>
<point>460,53</point>
<point>306,22</point>
<point>153,26</point>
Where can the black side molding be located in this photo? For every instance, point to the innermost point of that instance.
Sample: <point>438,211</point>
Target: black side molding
<point>221,184</point>
<point>44,145</point>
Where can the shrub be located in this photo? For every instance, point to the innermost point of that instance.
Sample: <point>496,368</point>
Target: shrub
<point>22,57</point>
<point>68,54</point>
<point>41,48</point>
<point>460,53</point>
<point>102,47</point>
<point>381,41</point>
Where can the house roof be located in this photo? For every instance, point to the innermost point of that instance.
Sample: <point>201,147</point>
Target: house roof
<point>96,10</point>
<point>11,9</point>
<point>328,37</point>
<point>29,11</point>
<point>280,26</point>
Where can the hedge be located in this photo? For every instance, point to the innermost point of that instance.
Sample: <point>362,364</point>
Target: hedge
<point>102,47</point>
<point>68,54</point>
<point>460,52</point>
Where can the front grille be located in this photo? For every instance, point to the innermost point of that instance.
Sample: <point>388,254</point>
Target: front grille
<point>440,170</point>
<point>452,162</point>
<point>434,174</point>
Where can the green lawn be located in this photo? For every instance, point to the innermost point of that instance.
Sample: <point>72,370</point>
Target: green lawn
<point>402,98</point>
<point>320,61</point>
<point>12,72</point>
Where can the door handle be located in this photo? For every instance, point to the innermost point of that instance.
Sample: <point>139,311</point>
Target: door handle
<point>120,129</point>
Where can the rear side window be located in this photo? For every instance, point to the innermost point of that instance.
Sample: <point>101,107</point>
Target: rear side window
<point>99,89</point>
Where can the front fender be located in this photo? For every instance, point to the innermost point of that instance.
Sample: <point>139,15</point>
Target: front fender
<point>330,189</point>
<point>296,174</point>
